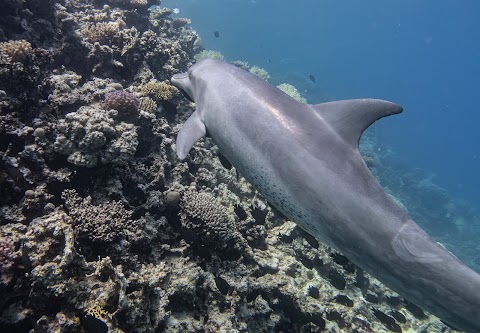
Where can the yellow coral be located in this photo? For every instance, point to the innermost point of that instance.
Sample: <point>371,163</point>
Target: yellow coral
<point>147,104</point>
<point>260,72</point>
<point>96,311</point>
<point>292,92</point>
<point>159,90</point>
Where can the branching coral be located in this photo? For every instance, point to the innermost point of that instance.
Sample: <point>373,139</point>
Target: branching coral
<point>159,91</point>
<point>16,50</point>
<point>101,223</point>
<point>148,105</point>
<point>260,72</point>
<point>101,32</point>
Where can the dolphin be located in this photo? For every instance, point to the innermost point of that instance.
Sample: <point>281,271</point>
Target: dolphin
<point>305,161</point>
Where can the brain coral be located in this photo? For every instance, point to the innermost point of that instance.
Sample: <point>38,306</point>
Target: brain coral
<point>126,103</point>
<point>205,218</point>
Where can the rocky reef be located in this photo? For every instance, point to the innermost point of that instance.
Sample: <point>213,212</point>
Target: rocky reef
<point>102,229</point>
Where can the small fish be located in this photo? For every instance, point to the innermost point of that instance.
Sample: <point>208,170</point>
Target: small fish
<point>269,60</point>
<point>176,11</point>
<point>312,78</point>
<point>216,33</point>
<point>226,163</point>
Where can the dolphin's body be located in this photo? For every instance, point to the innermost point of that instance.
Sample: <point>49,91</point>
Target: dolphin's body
<point>304,159</point>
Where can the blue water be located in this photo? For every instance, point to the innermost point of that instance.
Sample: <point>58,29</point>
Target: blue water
<point>424,55</point>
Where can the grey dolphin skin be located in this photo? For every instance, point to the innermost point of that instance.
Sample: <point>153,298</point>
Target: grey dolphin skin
<point>304,159</point>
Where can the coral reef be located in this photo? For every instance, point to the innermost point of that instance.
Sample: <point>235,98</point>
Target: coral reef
<point>16,50</point>
<point>101,223</point>
<point>209,54</point>
<point>126,103</point>
<point>260,72</point>
<point>208,223</point>
<point>103,229</point>
<point>147,104</point>
<point>160,91</point>
<point>90,136</point>
<point>292,92</point>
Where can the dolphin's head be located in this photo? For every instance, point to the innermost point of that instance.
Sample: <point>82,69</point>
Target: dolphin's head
<point>182,81</point>
<point>194,82</point>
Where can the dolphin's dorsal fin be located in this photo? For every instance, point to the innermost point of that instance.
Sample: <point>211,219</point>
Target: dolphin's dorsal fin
<point>351,117</point>
<point>192,131</point>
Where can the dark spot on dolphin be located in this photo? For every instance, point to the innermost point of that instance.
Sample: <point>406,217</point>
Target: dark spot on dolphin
<point>216,33</point>
<point>225,162</point>
<point>312,78</point>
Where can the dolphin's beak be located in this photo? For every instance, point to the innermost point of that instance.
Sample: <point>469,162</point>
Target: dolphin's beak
<point>182,82</point>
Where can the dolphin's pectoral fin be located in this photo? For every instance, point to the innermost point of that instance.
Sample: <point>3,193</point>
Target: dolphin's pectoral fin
<point>351,117</point>
<point>193,130</point>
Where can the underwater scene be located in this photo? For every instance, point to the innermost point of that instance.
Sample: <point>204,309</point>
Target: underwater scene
<point>209,166</point>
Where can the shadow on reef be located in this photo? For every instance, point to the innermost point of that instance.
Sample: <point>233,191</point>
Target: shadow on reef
<point>103,229</point>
